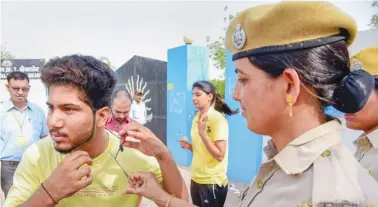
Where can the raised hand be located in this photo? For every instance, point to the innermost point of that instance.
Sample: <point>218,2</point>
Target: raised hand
<point>202,122</point>
<point>71,175</point>
<point>184,143</point>
<point>148,143</point>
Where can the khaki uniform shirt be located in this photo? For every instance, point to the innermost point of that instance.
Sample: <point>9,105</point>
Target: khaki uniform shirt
<point>315,169</point>
<point>367,152</point>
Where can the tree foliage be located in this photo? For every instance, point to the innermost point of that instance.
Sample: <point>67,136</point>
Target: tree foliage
<point>219,86</point>
<point>107,61</point>
<point>374,18</point>
<point>5,54</point>
<point>217,50</point>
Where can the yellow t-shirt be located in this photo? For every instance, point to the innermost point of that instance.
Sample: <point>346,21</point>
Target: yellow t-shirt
<point>205,168</point>
<point>109,181</point>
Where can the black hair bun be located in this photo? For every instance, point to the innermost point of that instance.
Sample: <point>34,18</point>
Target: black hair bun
<point>354,91</point>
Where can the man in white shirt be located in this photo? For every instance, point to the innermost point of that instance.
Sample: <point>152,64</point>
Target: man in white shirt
<point>138,108</point>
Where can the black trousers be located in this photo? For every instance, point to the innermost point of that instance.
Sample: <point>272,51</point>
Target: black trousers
<point>208,195</point>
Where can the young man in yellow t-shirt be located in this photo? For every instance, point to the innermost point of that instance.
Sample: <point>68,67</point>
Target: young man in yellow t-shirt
<point>81,165</point>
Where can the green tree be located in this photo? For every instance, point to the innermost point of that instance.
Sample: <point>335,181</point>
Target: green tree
<point>5,54</point>
<point>217,50</point>
<point>107,61</point>
<point>374,18</point>
<point>220,86</point>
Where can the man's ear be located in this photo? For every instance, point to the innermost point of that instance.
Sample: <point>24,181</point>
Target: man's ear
<point>102,116</point>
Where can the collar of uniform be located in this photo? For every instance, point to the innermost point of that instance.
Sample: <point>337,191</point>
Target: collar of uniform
<point>373,137</point>
<point>301,153</point>
<point>10,105</point>
<point>368,139</point>
<point>270,150</point>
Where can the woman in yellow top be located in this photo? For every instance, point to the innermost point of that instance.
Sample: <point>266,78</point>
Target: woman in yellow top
<point>292,60</point>
<point>209,134</point>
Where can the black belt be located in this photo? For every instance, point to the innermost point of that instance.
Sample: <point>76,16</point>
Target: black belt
<point>9,163</point>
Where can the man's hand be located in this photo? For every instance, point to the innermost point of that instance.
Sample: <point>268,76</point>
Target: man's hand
<point>70,176</point>
<point>152,146</point>
<point>149,144</point>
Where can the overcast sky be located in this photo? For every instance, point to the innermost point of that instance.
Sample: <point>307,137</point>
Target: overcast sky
<point>119,30</point>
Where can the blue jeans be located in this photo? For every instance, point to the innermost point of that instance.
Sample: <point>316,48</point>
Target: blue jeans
<point>7,171</point>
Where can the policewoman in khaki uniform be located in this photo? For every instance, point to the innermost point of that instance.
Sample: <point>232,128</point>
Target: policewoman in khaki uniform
<point>367,119</point>
<point>291,59</point>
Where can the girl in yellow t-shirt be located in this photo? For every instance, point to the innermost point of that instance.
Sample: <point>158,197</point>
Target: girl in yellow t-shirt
<point>209,146</point>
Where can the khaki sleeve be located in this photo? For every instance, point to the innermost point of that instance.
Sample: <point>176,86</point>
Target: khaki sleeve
<point>25,181</point>
<point>220,129</point>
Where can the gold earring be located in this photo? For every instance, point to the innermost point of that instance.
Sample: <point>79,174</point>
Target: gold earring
<point>290,101</point>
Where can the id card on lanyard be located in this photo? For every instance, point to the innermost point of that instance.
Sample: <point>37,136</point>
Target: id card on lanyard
<point>21,138</point>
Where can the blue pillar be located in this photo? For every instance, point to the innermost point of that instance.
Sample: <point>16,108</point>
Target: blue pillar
<point>186,64</point>
<point>245,147</point>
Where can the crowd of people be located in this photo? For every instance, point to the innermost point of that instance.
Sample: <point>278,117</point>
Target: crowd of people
<point>291,61</point>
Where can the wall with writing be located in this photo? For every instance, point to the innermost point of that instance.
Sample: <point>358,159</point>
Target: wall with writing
<point>186,64</point>
<point>31,67</point>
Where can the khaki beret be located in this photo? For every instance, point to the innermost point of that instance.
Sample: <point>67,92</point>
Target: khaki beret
<point>288,26</point>
<point>367,60</point>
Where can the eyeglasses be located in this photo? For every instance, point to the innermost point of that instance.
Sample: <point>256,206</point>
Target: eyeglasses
<point>17,89</point>
<point>115,159</point>
<point>120,149</point>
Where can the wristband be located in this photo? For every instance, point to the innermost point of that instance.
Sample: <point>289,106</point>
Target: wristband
<point>48,193</point>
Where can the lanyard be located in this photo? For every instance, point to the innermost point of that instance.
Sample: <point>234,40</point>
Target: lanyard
<point>18,121</point>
